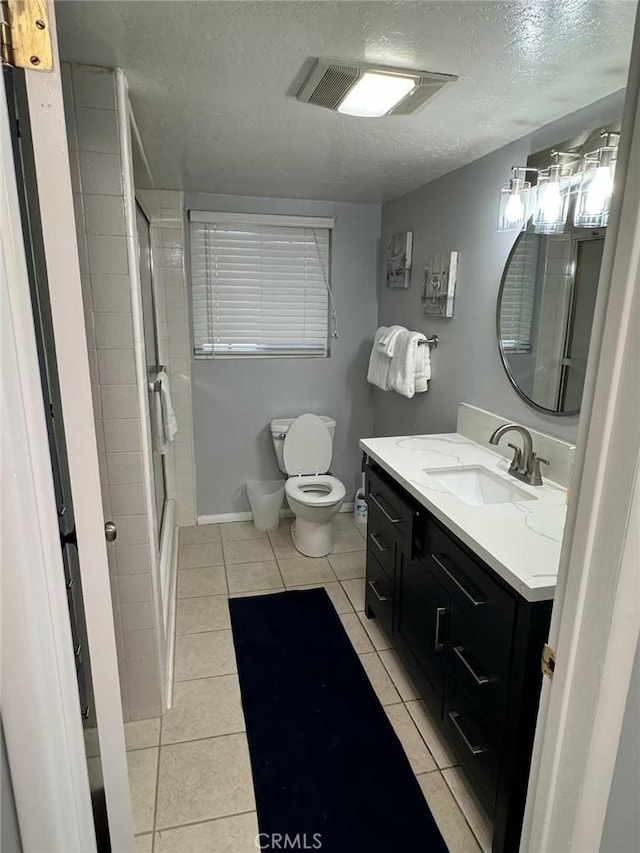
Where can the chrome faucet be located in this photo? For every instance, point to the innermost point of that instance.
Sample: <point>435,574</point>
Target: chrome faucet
<point>525,464</point>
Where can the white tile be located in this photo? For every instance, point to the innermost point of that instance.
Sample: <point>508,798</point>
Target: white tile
<point>110,292</point>
<point>245,577</point>
<point>204,707</point>
<point>134,588</point>
<point>127,499</point>
<point>116,367</point>
<point>197,535</point>
<point>356,633</point>
<point>142,765</point>
<point>419,756</point>
<point>101,174</point>
<point>139,644</point>
<point>207,613</point>
<point>235,834</point>
<point>122,435</point>
<point>97,130</point>
<point>349,565</point>
<point>379,678</point>
<point>203,554</point>
<point>430,731</point>
<point>247,551</point>
<point>144,843</point>
<point>399,675</point>
<point>204,655</point>
<point>107,255</point>
<point>113,331</point>
<point>204,779</point>
<point>206,580</point>
<point>300,570</point>
<point>93,86</point>
<point>238,530</point>
<point>142,734</point>
<point>119,401</point>
<point>138,617</point>
<point>133,559</point>
<point>471,808</point>
<point>347,539</point>
<point>376,633</point>
<point>451,823</point>
<point>132,529</point>
<point>355,591</point>
<point>124,468</point>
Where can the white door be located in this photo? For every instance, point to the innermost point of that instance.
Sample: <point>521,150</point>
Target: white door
<point>41,712</point>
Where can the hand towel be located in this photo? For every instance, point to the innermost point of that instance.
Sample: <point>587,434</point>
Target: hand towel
<point>379,363</point>
<point>388,340</point>
<point>169,421</point>
<point>402,373</point>
<point>423,367</point>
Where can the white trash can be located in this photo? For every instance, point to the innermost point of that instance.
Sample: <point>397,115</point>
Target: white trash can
<point>265,500</point>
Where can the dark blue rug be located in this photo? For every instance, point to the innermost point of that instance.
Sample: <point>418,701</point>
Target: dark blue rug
<point>329,772</point>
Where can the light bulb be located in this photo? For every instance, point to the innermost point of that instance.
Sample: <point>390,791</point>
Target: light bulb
<point>514,210</point>
<point>550,202</point>
<point>599,191</point>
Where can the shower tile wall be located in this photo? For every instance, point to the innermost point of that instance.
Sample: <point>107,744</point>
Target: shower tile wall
<point>164,208</point>
<point>94,152</point>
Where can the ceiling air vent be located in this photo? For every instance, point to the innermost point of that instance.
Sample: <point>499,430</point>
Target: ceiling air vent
<point>399,91</point>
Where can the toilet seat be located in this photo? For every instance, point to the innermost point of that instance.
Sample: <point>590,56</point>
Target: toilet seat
<point>312,490</point>
<point>307,446</point>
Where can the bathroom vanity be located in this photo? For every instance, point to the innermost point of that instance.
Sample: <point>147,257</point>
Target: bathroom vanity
<point>461,569</point>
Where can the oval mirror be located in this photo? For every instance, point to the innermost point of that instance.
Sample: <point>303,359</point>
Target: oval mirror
<point>545,312</point>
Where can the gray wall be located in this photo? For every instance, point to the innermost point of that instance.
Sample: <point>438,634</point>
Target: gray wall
<point>234,399</point>
<point>459,212</point>
<point>621,832</point>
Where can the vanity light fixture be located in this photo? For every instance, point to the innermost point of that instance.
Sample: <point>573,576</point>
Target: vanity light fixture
<point>596,185</point>
<point>515,201</point>
<point>552,199</point>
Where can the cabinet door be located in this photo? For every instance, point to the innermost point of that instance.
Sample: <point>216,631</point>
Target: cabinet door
<point>423,607</point>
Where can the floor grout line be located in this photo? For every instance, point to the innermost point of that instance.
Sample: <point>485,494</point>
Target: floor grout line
<point>206,820</point>
<point>155,799</point>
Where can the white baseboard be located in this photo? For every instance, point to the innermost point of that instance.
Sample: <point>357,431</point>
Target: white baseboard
<point>225,517</point>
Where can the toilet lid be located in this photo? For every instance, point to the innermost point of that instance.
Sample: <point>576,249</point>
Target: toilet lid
<point>307,446</point>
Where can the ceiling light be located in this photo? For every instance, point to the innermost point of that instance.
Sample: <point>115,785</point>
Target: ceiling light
<point>370,91</point>
<point>375,94</point>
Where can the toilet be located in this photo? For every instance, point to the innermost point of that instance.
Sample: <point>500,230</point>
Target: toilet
<point>303,448</point>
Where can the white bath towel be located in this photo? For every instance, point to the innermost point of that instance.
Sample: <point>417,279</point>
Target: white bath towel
<point>379,362</point>
<point>388,340</point>
<point>166,424</point>
<point>423,367</point>
<point>402,373</point>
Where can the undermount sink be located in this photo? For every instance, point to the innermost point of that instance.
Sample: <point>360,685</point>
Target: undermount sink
<point>477,486</point>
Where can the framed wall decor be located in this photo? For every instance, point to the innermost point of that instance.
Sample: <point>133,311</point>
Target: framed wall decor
<point>440,276</point>
<point>399,251</point>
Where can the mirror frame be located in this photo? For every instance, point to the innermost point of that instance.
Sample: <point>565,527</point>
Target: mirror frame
<point>542,409</point>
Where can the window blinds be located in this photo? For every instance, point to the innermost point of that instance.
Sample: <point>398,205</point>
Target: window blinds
<point>517,306</point>
<point>260,285</point>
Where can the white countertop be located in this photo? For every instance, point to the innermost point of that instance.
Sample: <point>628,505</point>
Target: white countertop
<point>520,541</point>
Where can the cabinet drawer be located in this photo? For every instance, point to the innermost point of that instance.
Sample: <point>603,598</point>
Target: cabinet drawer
<point>470,584</point>
<point>472,740</point>
<point>480,660</point>
<point>381,541</point>
<point>379,592</point>
<point>386,498</point>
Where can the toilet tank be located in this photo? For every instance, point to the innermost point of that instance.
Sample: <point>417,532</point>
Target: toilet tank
<point>279,428</point>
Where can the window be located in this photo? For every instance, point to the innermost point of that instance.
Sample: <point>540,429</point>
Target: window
<point>260,285</point>
<point>517,305</point>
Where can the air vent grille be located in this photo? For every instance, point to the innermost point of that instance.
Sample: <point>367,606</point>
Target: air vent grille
<point>328,82</point>
<point>334,85</point>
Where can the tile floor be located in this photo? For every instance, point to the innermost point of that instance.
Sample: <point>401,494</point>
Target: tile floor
<point>190,774</point>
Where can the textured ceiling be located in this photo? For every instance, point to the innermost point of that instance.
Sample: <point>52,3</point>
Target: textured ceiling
<point>213,84</point>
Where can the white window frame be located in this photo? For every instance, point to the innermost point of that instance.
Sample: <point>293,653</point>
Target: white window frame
<point>272,220</point>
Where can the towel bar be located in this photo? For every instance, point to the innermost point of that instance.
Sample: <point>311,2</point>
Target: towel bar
<point>432,341</point>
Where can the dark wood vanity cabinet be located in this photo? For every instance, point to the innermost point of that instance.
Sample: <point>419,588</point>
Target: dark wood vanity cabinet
<point>470,642</point>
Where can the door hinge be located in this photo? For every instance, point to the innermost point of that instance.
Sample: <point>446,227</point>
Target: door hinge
<point>548,662</point>
<point>25,39</point>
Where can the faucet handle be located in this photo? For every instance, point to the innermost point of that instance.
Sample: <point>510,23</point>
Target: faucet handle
<point>536,476</point>
<point>516,462</point>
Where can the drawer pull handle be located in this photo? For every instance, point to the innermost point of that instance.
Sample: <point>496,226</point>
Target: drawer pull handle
<point>378,595</point>
<point>438,558</point>
<point>474,750</point>
<point>376,542</point>
<point>479,679</point>
<point>383,510</point>
<point>438,646</point>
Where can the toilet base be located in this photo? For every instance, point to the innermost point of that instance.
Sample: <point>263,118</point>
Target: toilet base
<point>312,538</point>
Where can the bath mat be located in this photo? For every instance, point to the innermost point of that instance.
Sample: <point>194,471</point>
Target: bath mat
<point>328,770</point>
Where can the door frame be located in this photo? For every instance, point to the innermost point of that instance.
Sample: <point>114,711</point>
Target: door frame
<point>595,624</point>
<point>60,818</point>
